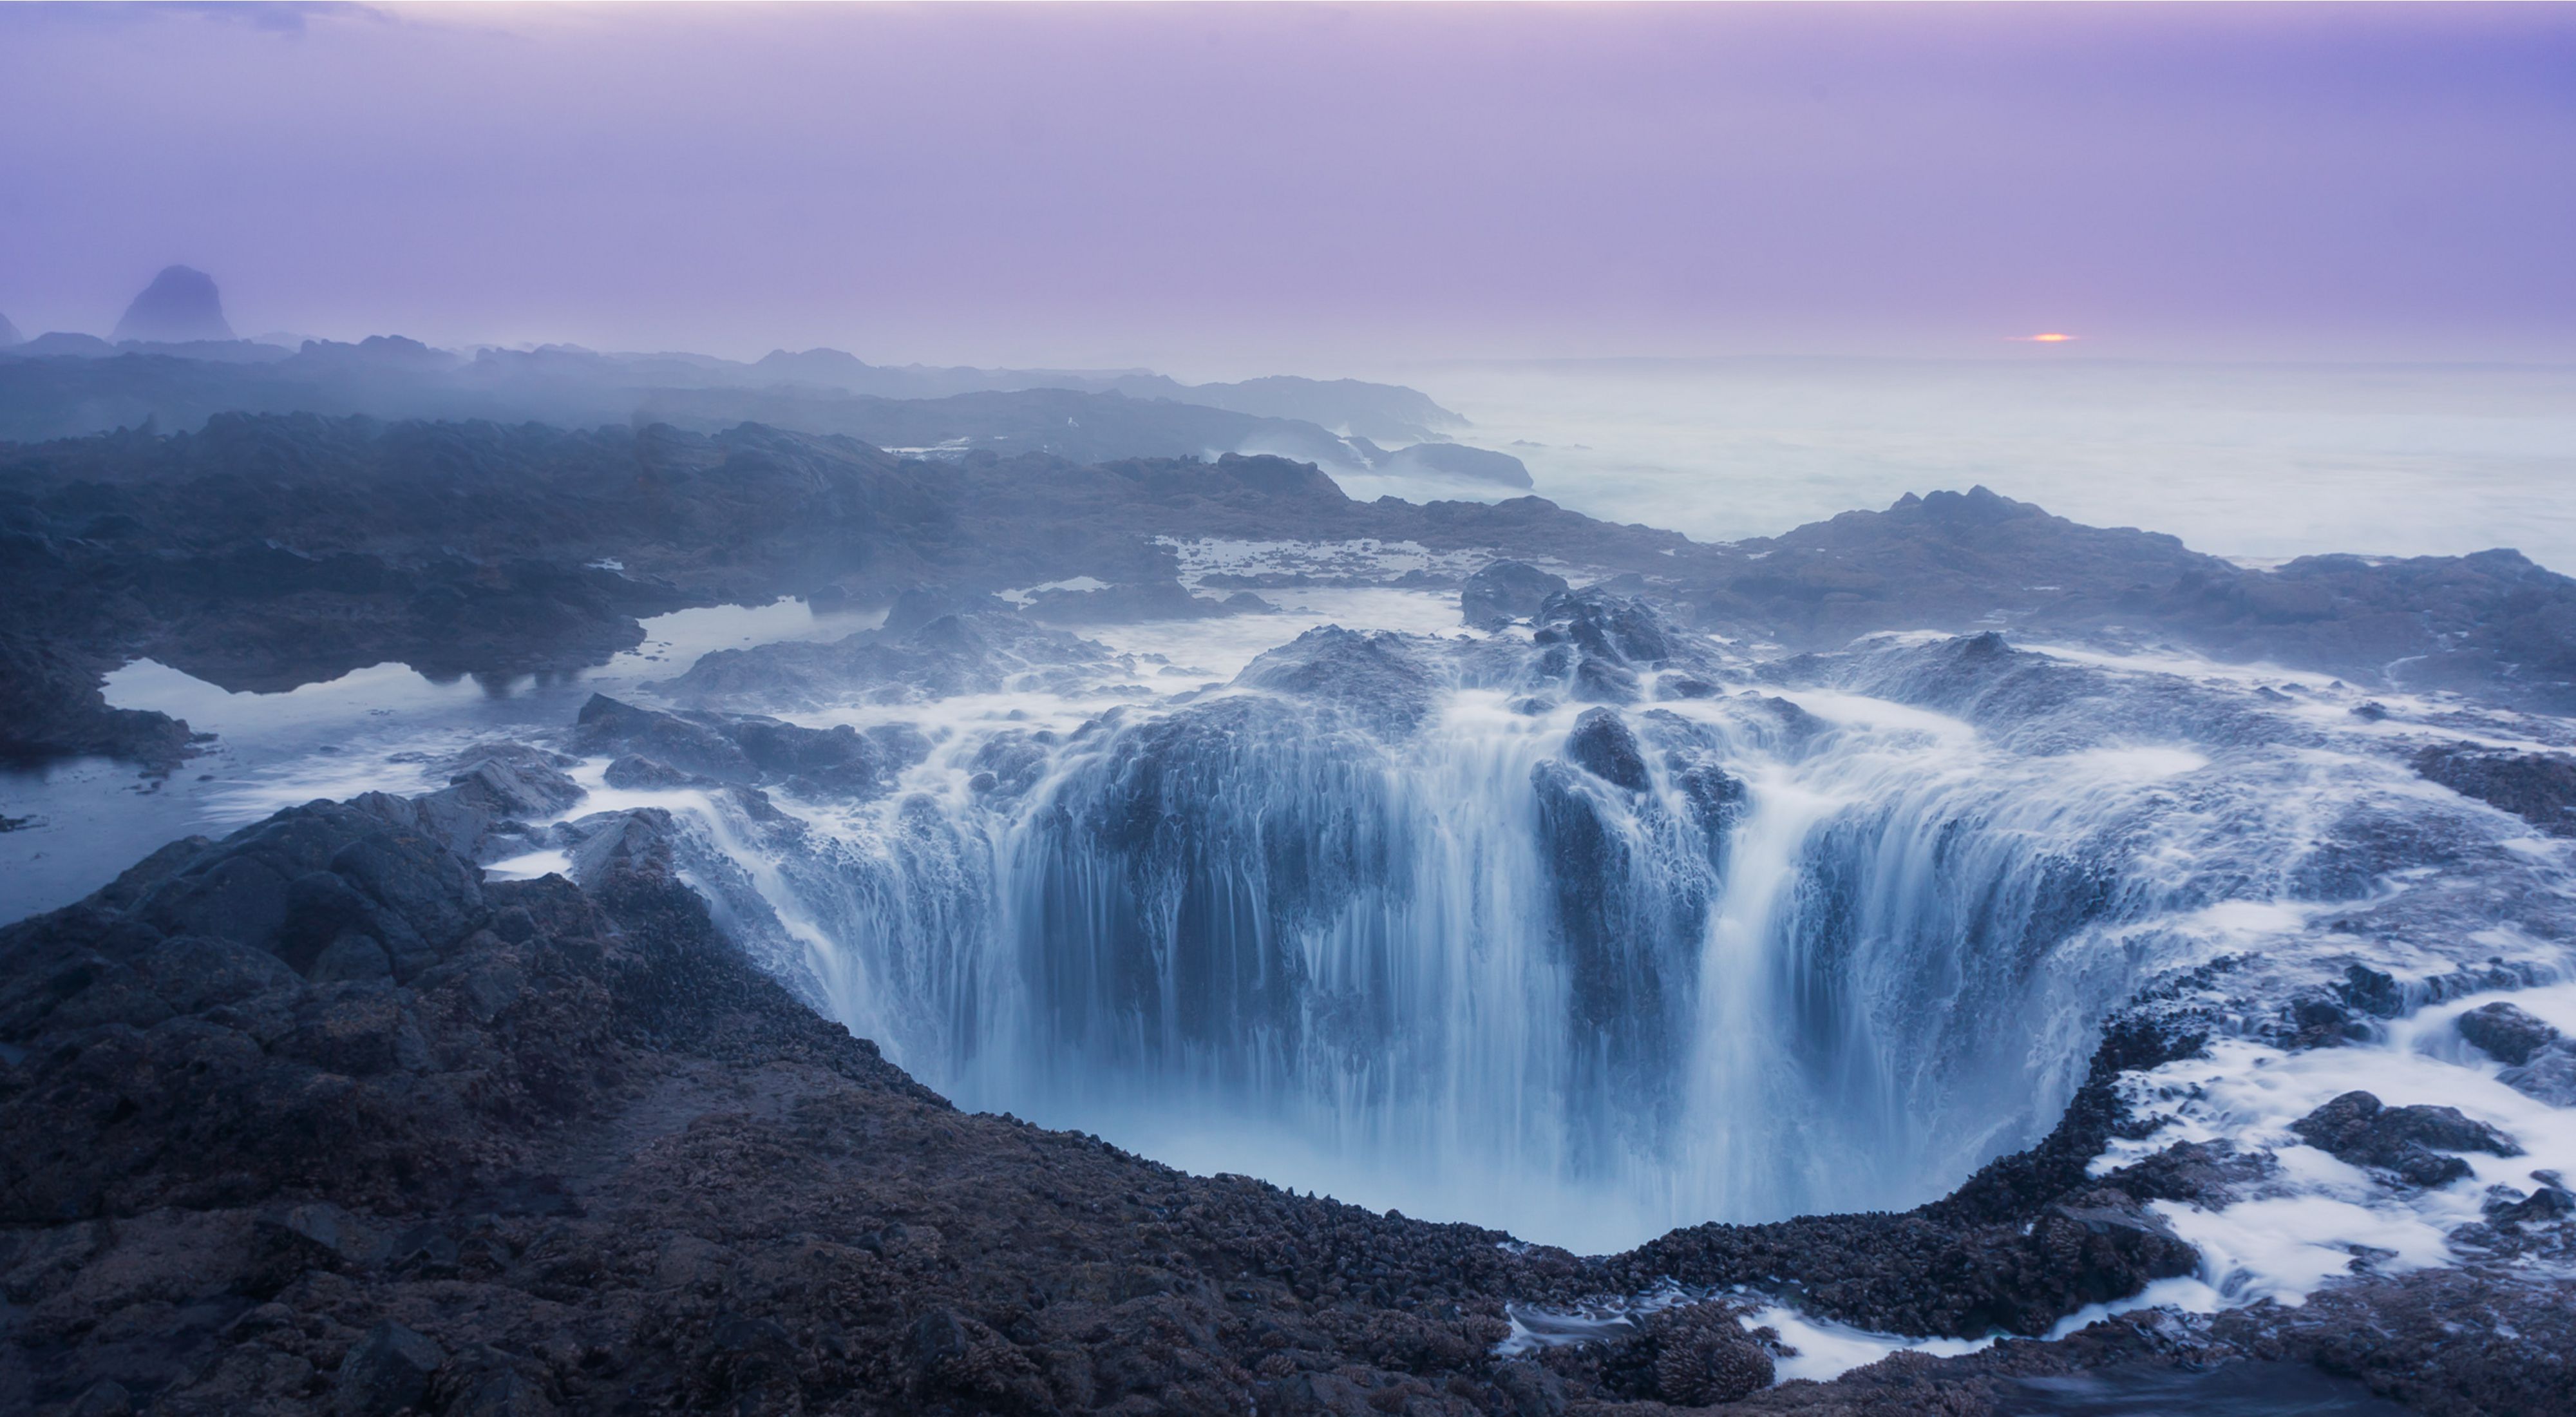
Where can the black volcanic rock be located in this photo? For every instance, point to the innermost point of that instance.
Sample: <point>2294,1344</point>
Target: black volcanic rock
<point>973,651</point>
<point>2540,788</point>
<point>747,749</point>
<point>1602,746</point>
<point>51,707</point>
<point>2409,1142</point>
<point>1375,677</point>
<point>1457,460</point>
<point>1505,591</point>
<point>574,1154</point>
<point>267,551</point>
<point>179,305</point>
<point>1126,604</point>
<point>2505,1033</point>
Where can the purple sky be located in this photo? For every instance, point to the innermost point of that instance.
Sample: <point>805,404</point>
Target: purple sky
<point>1311,186</point>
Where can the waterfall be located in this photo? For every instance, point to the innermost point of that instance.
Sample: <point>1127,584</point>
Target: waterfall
<point>1586,971</point>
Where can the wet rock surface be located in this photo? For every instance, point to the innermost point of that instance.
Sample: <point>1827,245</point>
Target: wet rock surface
<point>2417,1144</point>
<point>2540,788</point>
<point>568,1151</point>
<point>2506,1033</point>
<point>975,650</point>
<point>264,551</point>
<point>1506,591</point>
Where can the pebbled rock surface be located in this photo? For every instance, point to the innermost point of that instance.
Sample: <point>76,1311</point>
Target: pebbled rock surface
<point>2540,788</point>
<point>263,551</point>
<point>1506,591</point>
<point>2417,1144</point>
<point>567,1151</point>
<point>2506,1033</point>
<point>649,745</point>
<point>976,650</point>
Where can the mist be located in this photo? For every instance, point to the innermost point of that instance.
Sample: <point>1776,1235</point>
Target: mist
<point>1257,190</point>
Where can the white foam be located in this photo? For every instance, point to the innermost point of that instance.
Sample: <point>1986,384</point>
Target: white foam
<point>2320,1218</point>
<point>1827,1350</point>
<point>530,866</point>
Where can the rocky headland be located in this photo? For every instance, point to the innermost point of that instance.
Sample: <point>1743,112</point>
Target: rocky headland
<point>265,551</point>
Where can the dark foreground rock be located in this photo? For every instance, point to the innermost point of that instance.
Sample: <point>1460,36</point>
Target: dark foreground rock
<point>314,1119</point>
<point>2418,1144</point>
<point>1506,591</point>
<point>2540,788</point>
<point>266,551</point>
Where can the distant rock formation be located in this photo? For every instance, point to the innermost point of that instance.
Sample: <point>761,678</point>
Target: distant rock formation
<point>179,305</point>
<point>8,333</point>
<point>61,344</point>
<point>1457,460</point>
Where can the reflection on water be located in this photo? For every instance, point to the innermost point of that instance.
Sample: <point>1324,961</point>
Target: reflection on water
<point>2236,1390</point>
<point>382,728</point>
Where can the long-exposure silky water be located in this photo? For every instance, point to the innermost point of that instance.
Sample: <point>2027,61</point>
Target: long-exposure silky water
<point>1584,971</point>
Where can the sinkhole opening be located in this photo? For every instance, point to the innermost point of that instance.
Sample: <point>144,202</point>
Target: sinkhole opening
<point>1580,973</point>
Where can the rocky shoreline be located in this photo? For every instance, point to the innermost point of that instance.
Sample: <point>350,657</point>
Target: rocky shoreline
<point>267,551</point>
<point>315,1118</point>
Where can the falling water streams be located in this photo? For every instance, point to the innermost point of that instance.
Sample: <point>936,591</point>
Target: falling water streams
<point>1447,971</point>
<point>1485,949</point>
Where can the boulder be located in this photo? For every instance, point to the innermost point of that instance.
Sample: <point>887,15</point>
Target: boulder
<point>1602,745</point>
<point>2506,1033</point>
<point>389,1370</point>
<point>1374,677</point>
<point>2408,1142</point>
<point>1505,591</point>
<point>181,305</point>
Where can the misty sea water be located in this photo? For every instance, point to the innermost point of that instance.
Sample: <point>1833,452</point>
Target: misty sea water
<point>2252,461</point>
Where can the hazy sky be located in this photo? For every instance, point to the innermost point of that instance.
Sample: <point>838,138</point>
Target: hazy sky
<point>1311,185</point>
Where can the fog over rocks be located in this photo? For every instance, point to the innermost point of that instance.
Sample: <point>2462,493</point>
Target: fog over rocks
<point>336,1112</point>
<point>180,306</point>
<point>270,550</point>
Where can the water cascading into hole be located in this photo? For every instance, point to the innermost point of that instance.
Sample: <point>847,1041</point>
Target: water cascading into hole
<point>1496,970</point>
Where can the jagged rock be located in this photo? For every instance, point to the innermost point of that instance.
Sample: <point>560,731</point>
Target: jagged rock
<point>2371,991</point>
<point>1505,591</point>
<point>635,772</point>
<point>550,1117</point>
<point>2549,1074</point>
<point>968,652</point>
<point>179,306</point>
<point>388,1371</point>
<point>606,725</point>
<point>1605,626</point>
<point>488,1384</point>
<point>2408,1142</point>
<point>2540,788</point>
<point>1602,745</point>
<point>2506,1033</point>
<point>1706,1369</point>
<point>351,956</point>
<point>1459,461</point>
<point>1126,604</point>
<point>917,606</point>
<point>2551,1202</point>
<point>1374,677</point>
<point>1530,1388</point>
<point>838,761</point>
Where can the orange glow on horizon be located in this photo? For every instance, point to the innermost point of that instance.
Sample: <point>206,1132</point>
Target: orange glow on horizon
<point>2050,338</point>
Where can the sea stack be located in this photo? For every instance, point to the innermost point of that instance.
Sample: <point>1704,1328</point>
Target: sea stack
<point>180,305</point>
